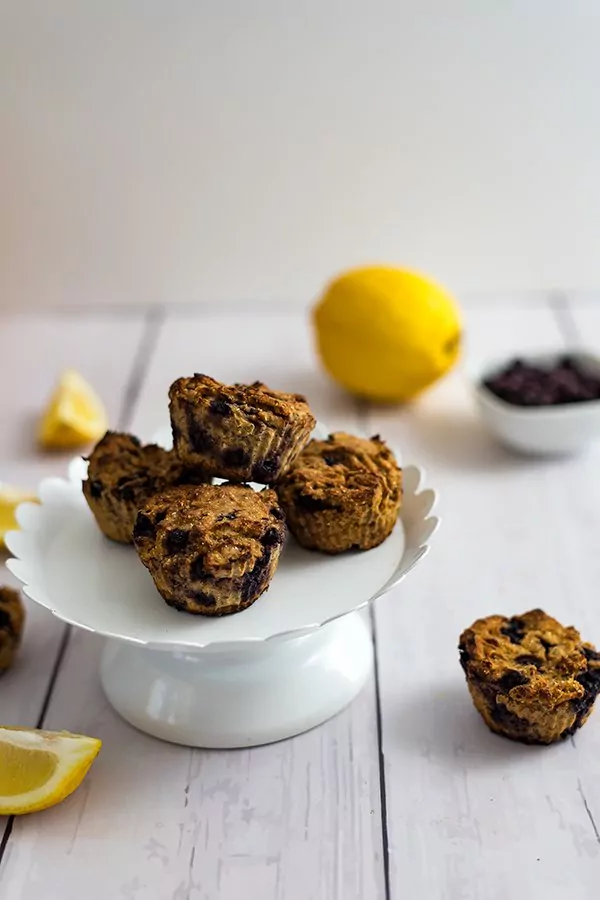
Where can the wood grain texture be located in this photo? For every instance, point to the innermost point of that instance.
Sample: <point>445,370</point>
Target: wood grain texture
<point>471,816</point>
<point>33,352</point>
<point>299,820</point>
<point>468,816</point>
<point>580,324</point>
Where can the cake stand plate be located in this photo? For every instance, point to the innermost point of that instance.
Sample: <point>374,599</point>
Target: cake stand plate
<point>290,661</point>
<point>239,698</point>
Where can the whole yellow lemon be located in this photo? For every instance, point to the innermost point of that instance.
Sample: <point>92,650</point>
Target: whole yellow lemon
<point>386,334</point>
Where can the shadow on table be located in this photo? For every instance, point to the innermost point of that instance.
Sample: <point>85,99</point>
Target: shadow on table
<point>461,441</point>
<point>444,727</point>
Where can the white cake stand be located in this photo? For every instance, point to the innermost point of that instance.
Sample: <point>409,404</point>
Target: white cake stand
<point>293,659</point>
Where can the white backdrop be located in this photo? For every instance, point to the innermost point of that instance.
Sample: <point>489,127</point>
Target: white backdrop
<point>191,150</point>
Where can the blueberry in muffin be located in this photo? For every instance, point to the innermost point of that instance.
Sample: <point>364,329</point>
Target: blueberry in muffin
<point>212,550</point>
<point>532,679</point>
<point>122,475</point>
<point>239,432</point>
<point>341,494</point>
<point>12,619</point>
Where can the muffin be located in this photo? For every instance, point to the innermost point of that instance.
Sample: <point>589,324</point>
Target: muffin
<point>239,432</point>
<point>342,494</point>
<point>12,619</point>
<point>212,550</point>
<point>532,679</point>
<point>122,475</point>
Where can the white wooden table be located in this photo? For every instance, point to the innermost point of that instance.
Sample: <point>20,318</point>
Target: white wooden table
<point>405,795</point>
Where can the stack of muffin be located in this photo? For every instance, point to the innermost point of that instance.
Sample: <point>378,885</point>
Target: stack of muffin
<point>212,549</point>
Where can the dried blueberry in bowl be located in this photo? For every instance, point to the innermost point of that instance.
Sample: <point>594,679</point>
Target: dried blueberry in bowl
<point>543,404</point>
<point>565,380</point>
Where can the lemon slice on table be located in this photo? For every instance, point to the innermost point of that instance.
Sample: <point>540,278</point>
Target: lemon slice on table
<point>75,415</point>
<point>39,769</point>
<point>10,497</point>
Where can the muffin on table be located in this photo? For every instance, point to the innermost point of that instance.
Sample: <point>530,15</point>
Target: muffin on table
<point>122,475</point>
<point>12,619</point>
<point>343,493</point>
<point>532,679</point>
<point>213,549</point>
<point>239,432</point>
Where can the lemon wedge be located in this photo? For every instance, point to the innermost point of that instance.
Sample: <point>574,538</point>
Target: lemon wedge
<point>10,497</point>
<point>75,415</point>
<point>39,769</point>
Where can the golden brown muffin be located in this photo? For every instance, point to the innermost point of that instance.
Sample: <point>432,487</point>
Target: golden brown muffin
<point>240,432</point>
<point>12,619</point>
<point>212,550</point>
<point>122,475</point>
<point>342,494</point>
<point>532,679</point>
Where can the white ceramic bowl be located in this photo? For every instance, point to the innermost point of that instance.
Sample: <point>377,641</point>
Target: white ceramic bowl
<point>547,430</point>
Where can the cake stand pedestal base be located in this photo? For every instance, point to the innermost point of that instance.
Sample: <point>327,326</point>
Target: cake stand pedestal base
<point>265,692</point>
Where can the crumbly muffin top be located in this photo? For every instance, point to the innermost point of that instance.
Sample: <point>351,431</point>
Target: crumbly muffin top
<point>532,657</point>
<point>223,529</point>
<point>121,463</point>
<point>256,400</point>
<point>332,473</point>
<point>12,613</point>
